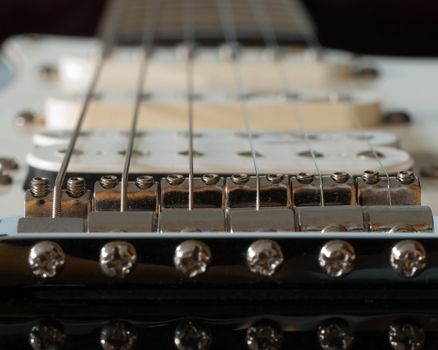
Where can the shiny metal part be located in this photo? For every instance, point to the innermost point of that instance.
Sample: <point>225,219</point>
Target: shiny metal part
<point>263,220</point>
<point>191,335</point>
<point>40,187</point>
<point>128,221</point>
<point>398,218</point>
<point>25,118</point>
<point>208,192</point>
<point>46,259</point>
<point>192,258</point>
<point>371,177</point>
<point>117,259</point>
<point>108,181</point>
<point>119,335</point>
<point>264,335</point>
<point>330,219</point>
<point>175,179</point>
<point>274,192</point>
<point>264,257</point>
<point>337,258</point>
<point>47,336</point>
<point>144,181</point>
<point>338,189</point>
<point>408,258</point>
<point>76,187</point>
<point>5,179</point>
<point>405,190</point>
<point>8,164</point>
<point>240,179</point>
<point>197,220</point>
<point>140,198</point>
<point>406,336</point>
<point>49,225</point>
<point>335,335</point>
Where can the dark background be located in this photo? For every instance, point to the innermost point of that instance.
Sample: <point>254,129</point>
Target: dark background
<point>394,27</point>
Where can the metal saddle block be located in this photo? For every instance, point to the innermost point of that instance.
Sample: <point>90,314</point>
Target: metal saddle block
<point>265,219</point>
<point>196,220</point>
<point>128,221</point>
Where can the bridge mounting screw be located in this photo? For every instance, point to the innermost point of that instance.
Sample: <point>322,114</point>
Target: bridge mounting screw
<point>118,335</point>
<point>192,258</point>
<point>264,257</point>
<point>144,181</point>
<point>275,178</point>
<point>406,335</point>
<point>305,178</point>
<point>46,259</point>
<point>240,179</point>
<point>190,335</point>
<point>408,258</point>
<point>370,177</point>
<point>47,335</point>
<point>109,181</point>
<point>76,187</point>
<point>175,179</point>
<point>210,179</point>
<point>39,187</point>
<point>334,334</point>
<point>406,177</point>
<point>340,177</point>
<point>117,259</point>
<point>264,334</point>
<point>337,258</point>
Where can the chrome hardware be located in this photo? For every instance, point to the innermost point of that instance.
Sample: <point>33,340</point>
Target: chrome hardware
<point>46,259</point>
<point>330,219</point>
<point>76,187</point>
<point>264,335</point>
<point>208,192</point>
<point>25,118</point>
<point>335,335</point>
<point>341,177</point>
<point>274,192</point>
<point>192,258</point>
<point>375,192</point>
<point>143,182</point>
<point>240,179</point>
<point>190,335</point>
<point>406,336</point>
<point>371,177</point>
<point>197,220</point>
<point>116,221</point>
<point>49,225</point>
<point>266,219</point>
<point>8,164</point>
<point>108,181</point>
<point>337,258</point>
<point>408,258</point>
<point>306,191</point>
<point>118,335</point>
<point>5,179</point>
<point>401,218</point>
<point>140,198</point>
<point>117,259</point>
<point>47,336</point>
<point>175,179</point>
<point>264,257</point>
<point>39,187</point>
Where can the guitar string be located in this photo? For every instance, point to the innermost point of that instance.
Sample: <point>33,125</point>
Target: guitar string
<point>116,8</point>
<point>187,8</point>
<point>228,26</point>
<point>268,34</point>
<point>150,28</point>
<point>313,41</point>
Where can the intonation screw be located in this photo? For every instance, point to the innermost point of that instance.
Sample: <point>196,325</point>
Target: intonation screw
<point>109,181</point>
<point>40,187</point>
<point>192,335</point>
<point>144,181</point>
<point>408,258</point>
<point>264,334</point>
<point>240,179</point>
<point>407,336</point>
<point>335,334</point>
<point>406,177</point>
<point>371,177</point>
<point>340,177</point>
<point>76,187</point>
<point>118,335</point>
<point>175,179</point>
<point>264,257</point>
<point>210,179</point>
<point>46,259</point>
<point>305,178</point>
<point>337,258</point>
<point>47,335</point>
<point>275,178</point>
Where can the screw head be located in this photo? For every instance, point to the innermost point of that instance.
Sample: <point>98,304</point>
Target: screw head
<point>117,258</point>
<point>406,177</point>
<point>264,335</point>
<point>76,187</point>
<point>8,164</point>
<point>39,187</point>
<point>337,258</point>
<point>118,336</point>
<point>5,179</point>
<point>396,117</point>
<point>46,259</point>
<point>191,335</point>
<point>109,181</point>
<point>240,179</point>
<point>335,335</point>
<point>25,118</point>
<point>371,177</point>
<point>275,178</point>
<point>264,257</point>
<point>406,336</point>
<point>192,258</point>
<point>210,179</point>
<point>305,178</point>
<point>47,336</point>
<point>408,258</point>
<point>144,181</point>
<point>175,179</point>
<point>340,177</point>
